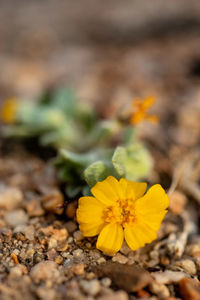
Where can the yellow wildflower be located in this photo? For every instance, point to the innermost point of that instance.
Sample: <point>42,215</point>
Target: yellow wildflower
<point>9,109</point>
<point>140,109</point>
<point>118,210</point>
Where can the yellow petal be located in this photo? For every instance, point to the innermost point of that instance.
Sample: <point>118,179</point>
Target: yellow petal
<point>91,229</point>
<point>152,118</point>
<point>154,201</point>
<point>132,190</point>
<point>116,186</point>
<point>137,117</point>
<point>105,192</point>
<point>90,216</point>
<point>148,102</point>
<point>9,110</point>
<point>89,200</point>
<point>136,189</point>
<point>110,239</point>
<point>137,236</point>
<point>152,221</point>
<point>123,184</point>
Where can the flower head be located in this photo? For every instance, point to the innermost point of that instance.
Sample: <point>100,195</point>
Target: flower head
<point>140,109</point>
<point>9,109</point>
<point>118,210</point>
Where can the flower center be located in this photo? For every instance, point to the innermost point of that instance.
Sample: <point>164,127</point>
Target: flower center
<point>122,212</point>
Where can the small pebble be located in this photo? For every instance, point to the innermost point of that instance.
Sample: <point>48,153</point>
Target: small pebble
<point>101,260</point>
<point>78,236</point>
<point>18,271</point>
<point>91,288</point>
<point>71,209</point>
<point>188,265</point>
<point>154,255</point>
<point>78,252</point>
<point>71,226</point>
<point>88,245</point>
<point>14,258</point>
<point>188,289</point>
<point>193,250</point>
<point>131,260</point>
<point>106,282</point>
<point>68,263</point>
<point>30,232</point>
<point>177,202</point>
<point>90,276</point>
<point>78,269</point>
<point>16,217</point>
<point>119,295</point>
<point>10,197</point>
<point>120,258</point>
<point>34,208</point>
<point>95,254</point>
<point>159,289</point>
<point>70,239</point>
<point>16,251</point>
<point>197,261</point>
<point>165,261</point>
<point>125,249</point>
<point>45,270</point>
<point>53,202</point>
<point>59,259</point>
<point>44,293</point>
<point>168,277</point>
<point>143,294</point>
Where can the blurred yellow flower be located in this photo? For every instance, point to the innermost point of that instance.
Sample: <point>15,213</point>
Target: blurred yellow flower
<point>140,109</point>
<point>118,210</point>
<point>9,109</point>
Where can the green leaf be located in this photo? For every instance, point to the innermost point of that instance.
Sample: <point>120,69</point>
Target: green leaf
<point>138,163</point>
<point>119,160</point>
<point>133,162</point>
<point>64,99</point>
<point>97,171</point>
<point>78,159</point>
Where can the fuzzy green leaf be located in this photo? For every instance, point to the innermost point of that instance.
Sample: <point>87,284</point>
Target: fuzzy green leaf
<point>119,160</point>
<point>133,162</point>
<point>138,163</point>
<point>97,171</point>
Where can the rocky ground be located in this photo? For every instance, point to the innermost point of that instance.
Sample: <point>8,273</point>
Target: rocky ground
<point>42,252</point>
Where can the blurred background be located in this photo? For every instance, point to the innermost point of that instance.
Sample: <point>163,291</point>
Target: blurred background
<point>110,52</point>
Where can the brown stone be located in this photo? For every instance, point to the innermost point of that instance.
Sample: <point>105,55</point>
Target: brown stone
<point>71,209</point>
<point>10,198</point>
<point>119,295</point>
<point>177,202</point>
<point>54,238</point>
<point>189,290</point>
<point>78,269</point>
<point>34,208</point>
<point>45,270</point>
<point>143,294</point>
<point>130,278</point>
<point>53,202</point>
<point>165,261</point>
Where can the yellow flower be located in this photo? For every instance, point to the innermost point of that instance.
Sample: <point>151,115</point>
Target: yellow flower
<point>140,109</point>
<point>9,109</point>
<point>118,210</point>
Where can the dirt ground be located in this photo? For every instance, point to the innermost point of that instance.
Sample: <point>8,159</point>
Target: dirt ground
<point>109,53</point>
